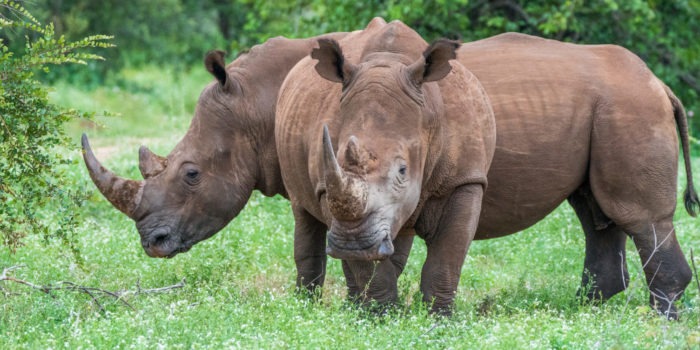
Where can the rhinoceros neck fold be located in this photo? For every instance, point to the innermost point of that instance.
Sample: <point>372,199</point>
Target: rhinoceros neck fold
<point>270,176</point>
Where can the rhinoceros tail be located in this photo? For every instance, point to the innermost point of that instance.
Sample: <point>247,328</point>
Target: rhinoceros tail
<point>690,197</point>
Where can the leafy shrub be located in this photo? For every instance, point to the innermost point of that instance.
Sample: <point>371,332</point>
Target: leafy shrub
<point>36,195</point>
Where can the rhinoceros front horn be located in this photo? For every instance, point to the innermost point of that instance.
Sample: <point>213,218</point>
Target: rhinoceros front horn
<point>124,194</point>
<point>346,194</point>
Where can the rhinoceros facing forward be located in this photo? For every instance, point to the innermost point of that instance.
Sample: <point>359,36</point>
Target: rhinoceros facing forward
<point>410,153</point>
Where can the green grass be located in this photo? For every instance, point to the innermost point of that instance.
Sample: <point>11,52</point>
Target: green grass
<point>515,292</point>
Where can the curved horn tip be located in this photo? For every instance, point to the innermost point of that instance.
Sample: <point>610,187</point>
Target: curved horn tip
<point>334,175</point>
<point>84,142</point>
<point>327,144</point>
<point>352,151</point>
<point>326,134</point>
<point>144,152</point>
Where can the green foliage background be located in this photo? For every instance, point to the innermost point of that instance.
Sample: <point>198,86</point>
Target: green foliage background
<point>179,32</point>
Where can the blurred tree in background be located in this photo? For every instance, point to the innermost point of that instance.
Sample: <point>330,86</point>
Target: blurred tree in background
<point>179,32</point>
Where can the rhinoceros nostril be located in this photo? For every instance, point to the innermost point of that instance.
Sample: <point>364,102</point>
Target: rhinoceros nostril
<point>159,238</point>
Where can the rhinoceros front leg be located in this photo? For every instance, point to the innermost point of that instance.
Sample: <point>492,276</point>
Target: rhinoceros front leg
<point>377,281</point>
<point>448,245</point>
<point>402,248</point>
<point>309,251</point>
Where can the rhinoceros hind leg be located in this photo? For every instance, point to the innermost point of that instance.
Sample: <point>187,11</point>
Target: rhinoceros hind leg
<point>666,270</point>
<point>605,267</point>
<point>633,172</point>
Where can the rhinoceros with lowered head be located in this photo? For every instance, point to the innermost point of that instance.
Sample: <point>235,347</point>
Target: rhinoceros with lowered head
<point>379,134</point>
<point>228,151</point>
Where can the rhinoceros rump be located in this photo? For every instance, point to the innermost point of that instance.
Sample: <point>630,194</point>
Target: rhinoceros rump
<point>591,124</point>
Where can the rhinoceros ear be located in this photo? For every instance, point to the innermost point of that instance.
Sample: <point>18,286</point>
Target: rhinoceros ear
<point>435,63</point>
<point>331,62</point>
<point>214,62</point>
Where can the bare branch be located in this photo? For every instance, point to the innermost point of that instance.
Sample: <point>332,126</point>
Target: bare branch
<point>9,269</point>
<point>513,6</point>
<point>651,280</point>
<point>659,295</point>
<point>669,301</point>
<point>656,245</point>
<point>94,298</point>
<point>93,292</point>
<point>180,284</point>
<point>692,263</point>
<point>6,277</point>
<point>622,269</point>
<point>691,81</point>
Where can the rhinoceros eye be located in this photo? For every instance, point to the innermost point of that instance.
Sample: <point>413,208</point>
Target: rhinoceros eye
<point>192,176</point>
<point>402,170</point>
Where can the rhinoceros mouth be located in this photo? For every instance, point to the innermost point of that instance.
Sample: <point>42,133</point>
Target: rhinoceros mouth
<point>159,242</point>
<point>177,251</point>
<point>363,242</point>
<point>166,250</point>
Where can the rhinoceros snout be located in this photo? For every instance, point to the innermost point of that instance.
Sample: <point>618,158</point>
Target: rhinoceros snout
<point>159,244</point>
<point>379,249</point>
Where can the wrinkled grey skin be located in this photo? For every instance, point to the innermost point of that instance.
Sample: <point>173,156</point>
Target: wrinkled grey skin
<point>414,135</point>
<point>228,151</point>
<point>592,125</point>
<point>528,92</point>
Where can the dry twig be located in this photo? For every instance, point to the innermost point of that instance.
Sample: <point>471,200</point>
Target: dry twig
<point>657,245</point>
<point>692,262</point>
<point>93,292</point>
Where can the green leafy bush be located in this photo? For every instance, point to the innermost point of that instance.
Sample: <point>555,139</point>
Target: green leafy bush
<point>36,196</point>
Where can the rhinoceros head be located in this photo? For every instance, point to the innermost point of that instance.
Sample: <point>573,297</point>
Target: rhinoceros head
<point>201,185</point>
<point>386,122</point>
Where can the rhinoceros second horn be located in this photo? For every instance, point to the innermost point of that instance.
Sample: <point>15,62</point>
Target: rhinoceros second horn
<point>347,197</point>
